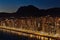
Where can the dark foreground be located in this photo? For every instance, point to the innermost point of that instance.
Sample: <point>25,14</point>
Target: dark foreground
<point>10,36</point>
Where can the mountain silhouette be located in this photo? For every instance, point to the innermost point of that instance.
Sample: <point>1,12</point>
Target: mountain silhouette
<point>35,12</point>
<point>28,11</point>
<point>53,11</point>
<point>32,11</point>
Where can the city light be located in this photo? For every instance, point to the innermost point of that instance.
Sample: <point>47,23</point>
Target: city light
<point>45,26</point>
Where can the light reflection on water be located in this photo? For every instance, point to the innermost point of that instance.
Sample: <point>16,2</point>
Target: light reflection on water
<point>10,36</point>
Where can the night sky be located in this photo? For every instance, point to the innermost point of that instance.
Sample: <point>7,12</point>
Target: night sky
<point>13,5</point>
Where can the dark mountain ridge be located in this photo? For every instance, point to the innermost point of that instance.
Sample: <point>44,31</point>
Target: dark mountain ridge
<point>30,10</point>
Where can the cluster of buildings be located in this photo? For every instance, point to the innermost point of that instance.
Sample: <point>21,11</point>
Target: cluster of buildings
<point>47,24</point>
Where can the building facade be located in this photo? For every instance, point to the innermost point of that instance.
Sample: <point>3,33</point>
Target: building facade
<point>47,24</point>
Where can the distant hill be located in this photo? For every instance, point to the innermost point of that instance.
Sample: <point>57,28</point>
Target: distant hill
<point>6,15</point>
<point>53,11</point>
<point>35,12</point>
<point>30,10</point>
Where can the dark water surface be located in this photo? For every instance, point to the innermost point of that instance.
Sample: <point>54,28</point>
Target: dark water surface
<point>10,36</point>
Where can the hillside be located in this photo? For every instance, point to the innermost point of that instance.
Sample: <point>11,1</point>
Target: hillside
<point>30,10</point>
